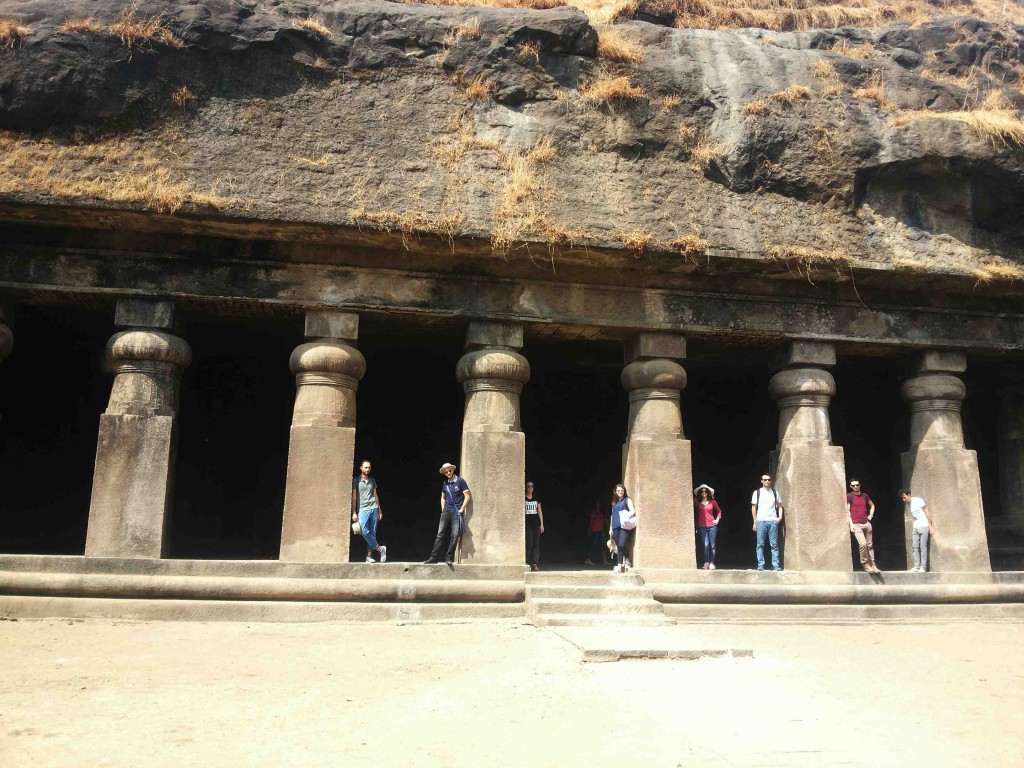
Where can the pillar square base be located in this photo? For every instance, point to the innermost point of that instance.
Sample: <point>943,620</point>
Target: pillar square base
<point>129,514</point>
<point>494,466</point>
<point>318,495</point>
<point>811,481</point>
<point>659,479</point>
<point>947,479</point>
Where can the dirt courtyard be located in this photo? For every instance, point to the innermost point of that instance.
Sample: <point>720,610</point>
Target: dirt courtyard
<point>504,693</point>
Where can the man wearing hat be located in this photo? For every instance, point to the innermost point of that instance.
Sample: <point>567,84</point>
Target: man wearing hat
<point>454,499</point>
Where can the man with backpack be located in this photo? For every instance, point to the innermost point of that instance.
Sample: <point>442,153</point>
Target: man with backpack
<point>767,511</point>
<point>861,509</point>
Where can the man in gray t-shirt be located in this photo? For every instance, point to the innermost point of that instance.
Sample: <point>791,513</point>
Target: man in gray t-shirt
<point>366,511</point>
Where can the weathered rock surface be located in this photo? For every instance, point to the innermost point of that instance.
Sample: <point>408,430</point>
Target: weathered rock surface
<point>424,119</point>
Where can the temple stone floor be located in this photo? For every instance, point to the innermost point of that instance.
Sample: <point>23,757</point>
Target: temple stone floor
<point>505,693</point>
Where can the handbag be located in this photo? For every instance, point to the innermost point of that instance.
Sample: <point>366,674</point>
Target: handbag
<point>356,529</point>
<point>627,523</point>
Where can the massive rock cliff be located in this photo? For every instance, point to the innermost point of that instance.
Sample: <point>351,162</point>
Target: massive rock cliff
<point>501,136</point>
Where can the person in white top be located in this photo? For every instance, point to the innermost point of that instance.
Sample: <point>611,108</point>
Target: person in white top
<point>921,532</point>
<point>766,510</point>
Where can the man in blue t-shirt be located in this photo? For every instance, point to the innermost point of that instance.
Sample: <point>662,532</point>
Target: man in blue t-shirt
<point>454,500</point>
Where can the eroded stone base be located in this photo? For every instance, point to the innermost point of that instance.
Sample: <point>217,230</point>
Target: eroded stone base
<point>659,478</point>
<point>948,480</point>
<point>318,495</point>
<point>129,514</point>
<point>811,481</point>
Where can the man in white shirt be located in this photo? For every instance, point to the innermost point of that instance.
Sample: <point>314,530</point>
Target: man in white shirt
<point>766,511</point>
<point>921,531</point>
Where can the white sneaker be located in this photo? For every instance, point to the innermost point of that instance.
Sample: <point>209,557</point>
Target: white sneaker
<point>383,553</point>
<point>626,564</point>
<point>617,569</point>
<point>711,566</point>
<point>370,559</point>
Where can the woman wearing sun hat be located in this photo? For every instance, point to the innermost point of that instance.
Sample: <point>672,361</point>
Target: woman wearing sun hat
<point>708,516</point>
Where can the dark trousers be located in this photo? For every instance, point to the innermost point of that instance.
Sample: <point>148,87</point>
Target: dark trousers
<point>533,544</point>
<point>448,529</point>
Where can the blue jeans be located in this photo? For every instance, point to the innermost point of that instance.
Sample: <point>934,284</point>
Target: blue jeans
<point>709,535</point>
<point>368,524</point>
<point>768,529</point>
<point>621,536</point>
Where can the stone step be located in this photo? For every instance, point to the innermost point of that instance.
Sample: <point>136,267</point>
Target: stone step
<point>833,614</point>
<point>559,605</point>
<point>838,594</point>
<point>823,578</point>
<point>587,592</point>
<point>393,569</point>
<point>608,620</point>
<point>593,578</point>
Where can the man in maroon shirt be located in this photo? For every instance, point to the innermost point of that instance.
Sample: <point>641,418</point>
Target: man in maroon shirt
<point>861,509</point>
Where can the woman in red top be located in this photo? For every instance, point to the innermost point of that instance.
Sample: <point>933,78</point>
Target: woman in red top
<point>708,515</point>
<point>596,535</point>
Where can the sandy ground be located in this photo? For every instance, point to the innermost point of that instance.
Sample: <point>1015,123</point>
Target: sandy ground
<point>503,693</point>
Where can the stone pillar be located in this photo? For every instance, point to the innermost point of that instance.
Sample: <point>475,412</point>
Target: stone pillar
<point>132,487</point>
<point>939,469</point>
<point>493,459</point>
<point>656,456</point>
<point>809,472</point>
<point>322,441</point>
<point>1011,457</point>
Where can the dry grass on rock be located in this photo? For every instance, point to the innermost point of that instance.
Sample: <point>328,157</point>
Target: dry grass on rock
<point>606,89</point>
<point>114,171</point>
<point>777,15</point>
<point>182,97</point>
<point>703,152</point>
<point>316,26</point>
<point>11,33</point>
<point>691,245</point>
<point>994,119</point>
<point>615,46</point>
<point>140,33</point>
<point>875,90</point>
<point>78,26</point>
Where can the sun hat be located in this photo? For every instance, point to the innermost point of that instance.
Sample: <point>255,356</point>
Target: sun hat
<point>446,465</point>
<point>696,491</point>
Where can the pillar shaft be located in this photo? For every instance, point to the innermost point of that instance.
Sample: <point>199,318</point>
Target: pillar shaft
<point>493,457</point>
<point>657,468</point>
<point>322,440</point>
<point>810,472</point>
<point>130,510</point>
<point>938,467</point>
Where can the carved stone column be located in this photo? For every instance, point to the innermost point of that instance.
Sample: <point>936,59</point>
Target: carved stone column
<point>657,469</point>
<point>321,447</point>
<point>1011,456</point>
<point>493,460</point>
<point>939,469</point>
<point>132,487</point>
<point>810,472</point>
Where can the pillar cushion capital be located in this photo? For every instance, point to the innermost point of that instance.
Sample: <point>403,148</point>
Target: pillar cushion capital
<point>653,374</point>
<point>328,356</point>
<point>153,346</point>
<point>493,364</point>
<point>671,346</point>
<point>795,382</point>
<point>937,386</point>
<point>806,353</point>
